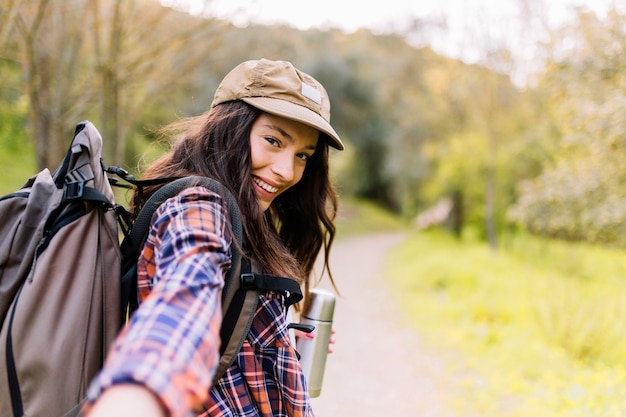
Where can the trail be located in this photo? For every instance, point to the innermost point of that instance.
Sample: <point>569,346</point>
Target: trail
<point>379,366</point>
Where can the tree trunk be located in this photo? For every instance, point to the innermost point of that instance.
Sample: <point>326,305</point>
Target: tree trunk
<point>109,119</point>
<point>490,192</point>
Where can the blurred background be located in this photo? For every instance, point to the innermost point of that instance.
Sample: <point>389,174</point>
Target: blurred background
<point>493,133</point>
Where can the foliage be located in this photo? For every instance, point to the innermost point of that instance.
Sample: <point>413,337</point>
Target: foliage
<point>581,193</point>
<point>533,329</point>
<point>104,76</point>
<point>418,126</point>
<point>15,150</point>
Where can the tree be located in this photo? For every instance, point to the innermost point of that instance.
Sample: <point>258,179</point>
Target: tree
<point>141,49</point>
<point>490,99</point>
<point>39,59</point>
<point>581,192</point>
<point>131,50</point>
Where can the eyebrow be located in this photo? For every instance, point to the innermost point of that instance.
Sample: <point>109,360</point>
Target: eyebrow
<point>281,131</point>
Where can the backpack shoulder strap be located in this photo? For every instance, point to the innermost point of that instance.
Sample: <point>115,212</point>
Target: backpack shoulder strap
<point>239,307</point>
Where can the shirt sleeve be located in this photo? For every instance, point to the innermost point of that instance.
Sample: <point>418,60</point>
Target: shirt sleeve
<point>171,344</point>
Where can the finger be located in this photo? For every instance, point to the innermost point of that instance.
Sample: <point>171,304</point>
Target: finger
<point>304,335</point>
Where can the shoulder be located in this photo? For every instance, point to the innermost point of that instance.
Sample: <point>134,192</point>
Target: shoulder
<point>195,207</point>
<point>195,196</point>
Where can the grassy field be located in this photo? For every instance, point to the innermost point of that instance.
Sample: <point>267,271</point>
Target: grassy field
<point>535,329</point>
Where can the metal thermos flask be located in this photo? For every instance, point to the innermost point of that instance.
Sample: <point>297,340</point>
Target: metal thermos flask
<point>313,352</point>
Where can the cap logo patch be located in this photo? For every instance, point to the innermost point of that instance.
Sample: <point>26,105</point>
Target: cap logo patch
<point>311,93</point>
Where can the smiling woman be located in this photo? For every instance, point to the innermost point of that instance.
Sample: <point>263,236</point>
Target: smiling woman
<point>266,138</point>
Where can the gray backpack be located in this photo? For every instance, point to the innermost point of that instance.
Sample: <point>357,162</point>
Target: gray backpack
<point>67,283</point>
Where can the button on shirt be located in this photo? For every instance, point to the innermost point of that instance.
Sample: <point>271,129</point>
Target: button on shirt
<point>172,343</point>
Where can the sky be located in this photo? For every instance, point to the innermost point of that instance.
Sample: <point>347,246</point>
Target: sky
<point>462,20</point>
<point>353,14</point>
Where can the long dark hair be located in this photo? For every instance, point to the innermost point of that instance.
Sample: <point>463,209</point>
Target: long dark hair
<point>287,238</point>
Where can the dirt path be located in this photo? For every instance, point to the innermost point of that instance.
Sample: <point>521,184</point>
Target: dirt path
<point>379,367</point>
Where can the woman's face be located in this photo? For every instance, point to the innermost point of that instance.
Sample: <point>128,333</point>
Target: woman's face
<point>279,149</point>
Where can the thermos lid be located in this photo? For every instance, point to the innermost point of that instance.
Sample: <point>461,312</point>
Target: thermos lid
<point>322,305</point>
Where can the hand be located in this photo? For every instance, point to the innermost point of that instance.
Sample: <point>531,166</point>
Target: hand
<point>332,340</point>
<point>304,335</point>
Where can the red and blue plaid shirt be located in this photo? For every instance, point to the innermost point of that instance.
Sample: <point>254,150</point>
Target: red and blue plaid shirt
<point>172,343</point>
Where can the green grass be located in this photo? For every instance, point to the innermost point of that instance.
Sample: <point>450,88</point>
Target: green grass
<point>535,329</point>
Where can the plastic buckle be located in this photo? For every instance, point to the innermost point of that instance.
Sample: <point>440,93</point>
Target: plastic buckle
<point>73,190</point>
<point>248,281</point>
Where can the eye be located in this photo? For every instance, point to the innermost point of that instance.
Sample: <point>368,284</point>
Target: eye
<point>303,156</point>
<point>272,141</point>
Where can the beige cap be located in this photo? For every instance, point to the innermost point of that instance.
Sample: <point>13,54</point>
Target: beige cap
<point>278,88</point>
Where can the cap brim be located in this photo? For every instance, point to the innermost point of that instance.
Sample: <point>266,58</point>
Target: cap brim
<point>298,113</point>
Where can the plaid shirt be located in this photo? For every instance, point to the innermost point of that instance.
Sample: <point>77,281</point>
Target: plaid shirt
<point>172,342</point>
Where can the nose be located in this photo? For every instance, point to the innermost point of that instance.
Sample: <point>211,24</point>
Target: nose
<point>283,166</point>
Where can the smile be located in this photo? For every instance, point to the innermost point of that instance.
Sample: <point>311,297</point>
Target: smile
<point>265,185</point>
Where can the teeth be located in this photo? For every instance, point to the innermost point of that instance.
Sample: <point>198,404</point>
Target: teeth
<point>265,186</point>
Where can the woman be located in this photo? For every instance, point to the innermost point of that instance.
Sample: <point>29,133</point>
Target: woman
<point>266,137</point>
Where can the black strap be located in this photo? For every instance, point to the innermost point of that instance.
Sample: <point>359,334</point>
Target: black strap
<point>78,190</point>
<point>59,174</point>
<point>14,383</point>
<point>254,281</point>
<point>266,282</point>
<point>229,321</point>
<point>240,307</point>
<point>126,176</point>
